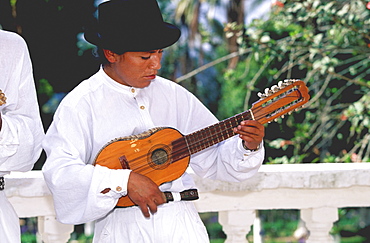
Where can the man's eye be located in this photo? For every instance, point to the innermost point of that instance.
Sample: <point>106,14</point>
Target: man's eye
<point>145,58</point>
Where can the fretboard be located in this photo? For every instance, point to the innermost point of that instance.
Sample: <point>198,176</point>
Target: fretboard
<point>207,137</point>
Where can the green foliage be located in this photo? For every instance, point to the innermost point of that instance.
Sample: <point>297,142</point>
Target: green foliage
<point>28,238</point>
<point>217,241</point>
<point>214,229</point>
<point>327,45</point>
<point>85,239</point>
<point>280,228</point>
<point>233,90</point>
<point>45,88</point>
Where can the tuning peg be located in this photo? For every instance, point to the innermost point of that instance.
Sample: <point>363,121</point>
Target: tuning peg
<point>284,83</point>
<point>275,88</point>
<point>259,94</point>
<point>275,119</point>
<point>282,116</point>
<point>267,91</point>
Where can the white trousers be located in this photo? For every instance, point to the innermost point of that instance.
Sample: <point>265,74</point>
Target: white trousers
<point>174,222</point>
<point>9,222</point>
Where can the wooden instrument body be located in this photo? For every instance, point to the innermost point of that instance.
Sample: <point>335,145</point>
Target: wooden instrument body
<point>163,153</point>
<point>149,154</point>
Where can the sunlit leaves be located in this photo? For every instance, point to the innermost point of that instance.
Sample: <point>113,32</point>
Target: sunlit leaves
<point>328,42</point>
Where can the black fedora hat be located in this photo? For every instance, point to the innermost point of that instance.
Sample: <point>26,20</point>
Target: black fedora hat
<point>131,25</point>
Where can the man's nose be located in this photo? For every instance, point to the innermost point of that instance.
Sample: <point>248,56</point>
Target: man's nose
<point>155,62</point>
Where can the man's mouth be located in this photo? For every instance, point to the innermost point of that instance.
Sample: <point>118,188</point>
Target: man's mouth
<point>152,76</point>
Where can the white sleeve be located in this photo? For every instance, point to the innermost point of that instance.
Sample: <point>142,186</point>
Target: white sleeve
<point>228,160</point>
<point>22,131</point>
<point>78,187</point>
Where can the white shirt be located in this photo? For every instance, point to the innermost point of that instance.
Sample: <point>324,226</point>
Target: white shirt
<point>100,109</point>
<point>22,132</point>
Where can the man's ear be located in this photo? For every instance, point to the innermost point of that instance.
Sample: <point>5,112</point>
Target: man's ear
<point>110,56</point>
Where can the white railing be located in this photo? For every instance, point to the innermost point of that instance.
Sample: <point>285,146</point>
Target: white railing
<point>317,190</point>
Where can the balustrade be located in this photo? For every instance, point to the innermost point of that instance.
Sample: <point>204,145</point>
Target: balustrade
<point>317,190</point>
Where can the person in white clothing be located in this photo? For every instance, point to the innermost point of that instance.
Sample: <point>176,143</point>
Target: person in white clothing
<point>126,101</point>
<point>21,130</point>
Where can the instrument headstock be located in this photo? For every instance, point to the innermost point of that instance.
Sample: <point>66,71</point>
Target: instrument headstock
<point>280,99</point>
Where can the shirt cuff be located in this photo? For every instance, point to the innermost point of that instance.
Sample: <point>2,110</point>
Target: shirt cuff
<point>118,182</point>
<point>247,152</point>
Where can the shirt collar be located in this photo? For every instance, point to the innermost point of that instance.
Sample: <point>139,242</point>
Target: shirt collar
<point>117,86</point>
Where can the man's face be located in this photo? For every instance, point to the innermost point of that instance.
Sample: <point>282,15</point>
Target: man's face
<point>134,69</point>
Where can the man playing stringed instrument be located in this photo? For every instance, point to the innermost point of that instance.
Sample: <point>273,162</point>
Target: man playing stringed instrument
<point>144,117</point>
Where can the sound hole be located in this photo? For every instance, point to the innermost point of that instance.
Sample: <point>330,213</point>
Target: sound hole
<point>159,157</point>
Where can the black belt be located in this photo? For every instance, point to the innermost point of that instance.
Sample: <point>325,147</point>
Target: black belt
<point>2,183</point>
<point>187,195</point>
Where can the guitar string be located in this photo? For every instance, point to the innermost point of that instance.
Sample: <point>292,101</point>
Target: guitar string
<point>200,144</point>
<point>195,145</point>
<point>219,134</point>
<point>227,131</point>
<point>141,161</point>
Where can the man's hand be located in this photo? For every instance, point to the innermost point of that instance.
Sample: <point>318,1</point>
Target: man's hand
<point>144,193</point>
<point>252,132</point>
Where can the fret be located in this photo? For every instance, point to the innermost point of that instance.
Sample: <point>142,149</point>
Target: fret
<point>216,135</point>
<point>230,131</point>
<point>190,141</point>
<point>157,159</point>
<point>213,134</point>
<point>224,128</point>
<point>181,149</point>
<point>201,140</point>
<point>208,134</point>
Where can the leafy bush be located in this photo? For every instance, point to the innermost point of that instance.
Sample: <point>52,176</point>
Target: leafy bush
<point>327,45</point>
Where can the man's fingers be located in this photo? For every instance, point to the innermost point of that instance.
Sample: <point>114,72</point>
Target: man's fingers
<point>252,132</point>
<point>164,198</point>
<point>153,207</point>
<point>144,210</point>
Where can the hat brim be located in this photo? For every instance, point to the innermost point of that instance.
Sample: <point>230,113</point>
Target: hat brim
<point>160,38</point>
